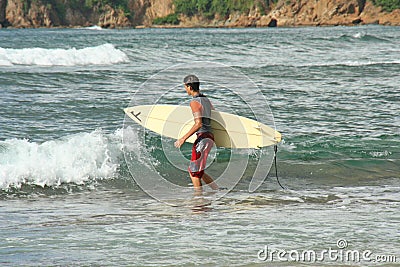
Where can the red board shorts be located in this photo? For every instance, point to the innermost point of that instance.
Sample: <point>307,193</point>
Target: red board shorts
<point>201,148</point>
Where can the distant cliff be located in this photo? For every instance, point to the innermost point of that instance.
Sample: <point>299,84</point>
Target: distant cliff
<point>71,13</point>
<point>331,12</point>
<point>170,13</point>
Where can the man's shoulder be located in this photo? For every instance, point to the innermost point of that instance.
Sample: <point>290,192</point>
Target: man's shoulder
<point>195,105</point>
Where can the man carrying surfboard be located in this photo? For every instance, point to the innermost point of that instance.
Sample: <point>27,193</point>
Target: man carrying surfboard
<point>201,109</point>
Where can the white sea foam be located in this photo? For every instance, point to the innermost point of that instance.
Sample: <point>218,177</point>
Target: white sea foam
<point>77,159</point>
<point>105,54</point>
<point>94,27</point>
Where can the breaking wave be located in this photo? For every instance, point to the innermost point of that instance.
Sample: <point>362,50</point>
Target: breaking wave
<point>78,159</point>
<point>105,54</point>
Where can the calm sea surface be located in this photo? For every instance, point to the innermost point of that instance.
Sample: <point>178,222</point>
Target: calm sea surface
<point>70,160</point>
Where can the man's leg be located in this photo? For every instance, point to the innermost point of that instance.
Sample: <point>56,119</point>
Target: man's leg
<point>196,182</point>
<point>208,180</point>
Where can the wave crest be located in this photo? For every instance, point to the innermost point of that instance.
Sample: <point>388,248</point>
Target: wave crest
<point>105,54</point>
<point>76,159</point>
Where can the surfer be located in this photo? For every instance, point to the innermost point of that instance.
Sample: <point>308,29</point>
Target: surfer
<point>201,109</point>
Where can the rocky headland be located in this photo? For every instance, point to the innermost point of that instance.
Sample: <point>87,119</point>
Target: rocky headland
<point>162,13</point>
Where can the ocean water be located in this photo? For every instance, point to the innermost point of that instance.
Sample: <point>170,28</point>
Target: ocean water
<point>74,170</point>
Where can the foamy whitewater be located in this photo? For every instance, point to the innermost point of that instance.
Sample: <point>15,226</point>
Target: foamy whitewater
<point>73,169</point>
<point>105,54</point>
<point>74,159</point>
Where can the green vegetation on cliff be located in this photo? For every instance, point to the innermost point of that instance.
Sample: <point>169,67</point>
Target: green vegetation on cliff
<point>211,8</point>
<point>170,19</point>
<point>387,5</point>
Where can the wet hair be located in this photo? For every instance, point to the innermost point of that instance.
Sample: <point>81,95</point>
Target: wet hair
<point>193,82</point>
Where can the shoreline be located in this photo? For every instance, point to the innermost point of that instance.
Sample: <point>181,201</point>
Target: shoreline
<point>201,27</point>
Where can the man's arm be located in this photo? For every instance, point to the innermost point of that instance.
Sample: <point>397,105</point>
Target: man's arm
<point>196,110</point>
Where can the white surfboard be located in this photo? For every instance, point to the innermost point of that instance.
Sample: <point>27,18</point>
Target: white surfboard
<point>230,131</point>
